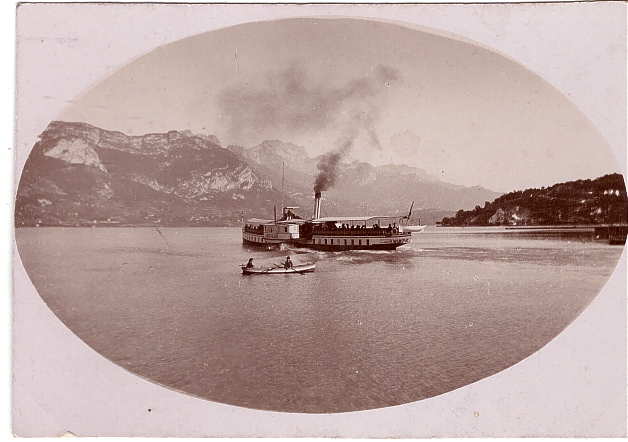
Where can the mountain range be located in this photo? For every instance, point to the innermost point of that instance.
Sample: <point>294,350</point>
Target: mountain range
<point>78,175</point>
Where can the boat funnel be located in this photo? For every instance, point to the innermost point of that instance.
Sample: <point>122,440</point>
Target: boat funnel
<point>317,205</point>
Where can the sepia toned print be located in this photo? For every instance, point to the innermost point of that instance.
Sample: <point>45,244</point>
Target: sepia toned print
<point>319,216</point>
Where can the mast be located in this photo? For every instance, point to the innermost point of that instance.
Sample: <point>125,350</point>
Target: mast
<point>283,175</point>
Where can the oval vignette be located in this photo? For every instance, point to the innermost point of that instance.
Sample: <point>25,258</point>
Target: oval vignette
<point>129,206</point>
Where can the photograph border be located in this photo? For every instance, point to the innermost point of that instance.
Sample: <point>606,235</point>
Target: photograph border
<point>575,386</point>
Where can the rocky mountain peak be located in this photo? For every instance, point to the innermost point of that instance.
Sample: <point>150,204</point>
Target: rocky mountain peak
<point>236,149</point>
<point>180,178</point>
<point>211,138</point>
<point>72,130</point>
<point>76,151</point>
<point>171,178</point>
<point>273,149</point>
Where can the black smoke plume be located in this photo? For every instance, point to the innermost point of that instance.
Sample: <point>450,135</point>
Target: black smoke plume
<point>291,101</point>
<point>328,168</point>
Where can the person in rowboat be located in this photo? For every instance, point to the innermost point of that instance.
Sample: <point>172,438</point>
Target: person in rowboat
<point>249,265</point>
<point>287,264</point>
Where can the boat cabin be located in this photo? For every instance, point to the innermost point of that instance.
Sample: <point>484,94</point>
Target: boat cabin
<point>268,232</point>
<point>371,225</point>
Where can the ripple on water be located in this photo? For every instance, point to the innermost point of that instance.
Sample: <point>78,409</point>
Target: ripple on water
<point>366,330</point>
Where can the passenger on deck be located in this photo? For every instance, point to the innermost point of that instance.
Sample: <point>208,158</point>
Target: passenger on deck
<point>287,264</point>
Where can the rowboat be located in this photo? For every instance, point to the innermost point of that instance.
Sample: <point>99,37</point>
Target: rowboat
<point>297,269</point>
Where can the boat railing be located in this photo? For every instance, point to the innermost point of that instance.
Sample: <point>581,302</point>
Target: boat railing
<point>368,231</point>
<point>254,229</point>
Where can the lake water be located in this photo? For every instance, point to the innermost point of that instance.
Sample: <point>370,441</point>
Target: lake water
<point>366,330</point>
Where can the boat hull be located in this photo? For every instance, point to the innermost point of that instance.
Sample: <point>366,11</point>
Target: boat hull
<point>359,242</point>
<point>299,269</point>
<point>335,244</point>
<point>261,244</point>
<point>413,229</point>
<point>251,239</point>
<point>329,247</point>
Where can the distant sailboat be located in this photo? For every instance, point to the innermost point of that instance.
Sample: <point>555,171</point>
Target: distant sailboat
<point>411,229</point>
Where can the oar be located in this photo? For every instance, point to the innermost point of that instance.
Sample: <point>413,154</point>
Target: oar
<point>299,271</point>
<point>162,235</point>
<point>262,272</point>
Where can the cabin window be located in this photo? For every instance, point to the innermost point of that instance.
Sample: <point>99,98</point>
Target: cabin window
<point>352,242</point>
<point>360,242</point>
<point>325,241</point>
<point>367,242</point>
<point>345,242</point>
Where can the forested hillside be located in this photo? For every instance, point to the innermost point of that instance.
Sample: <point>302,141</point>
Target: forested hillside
<point>586,202</point>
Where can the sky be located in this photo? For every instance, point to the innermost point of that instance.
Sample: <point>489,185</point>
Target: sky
<point>377,92</point>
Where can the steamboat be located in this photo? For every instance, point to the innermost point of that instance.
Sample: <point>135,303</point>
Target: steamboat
<point>328,233</point>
